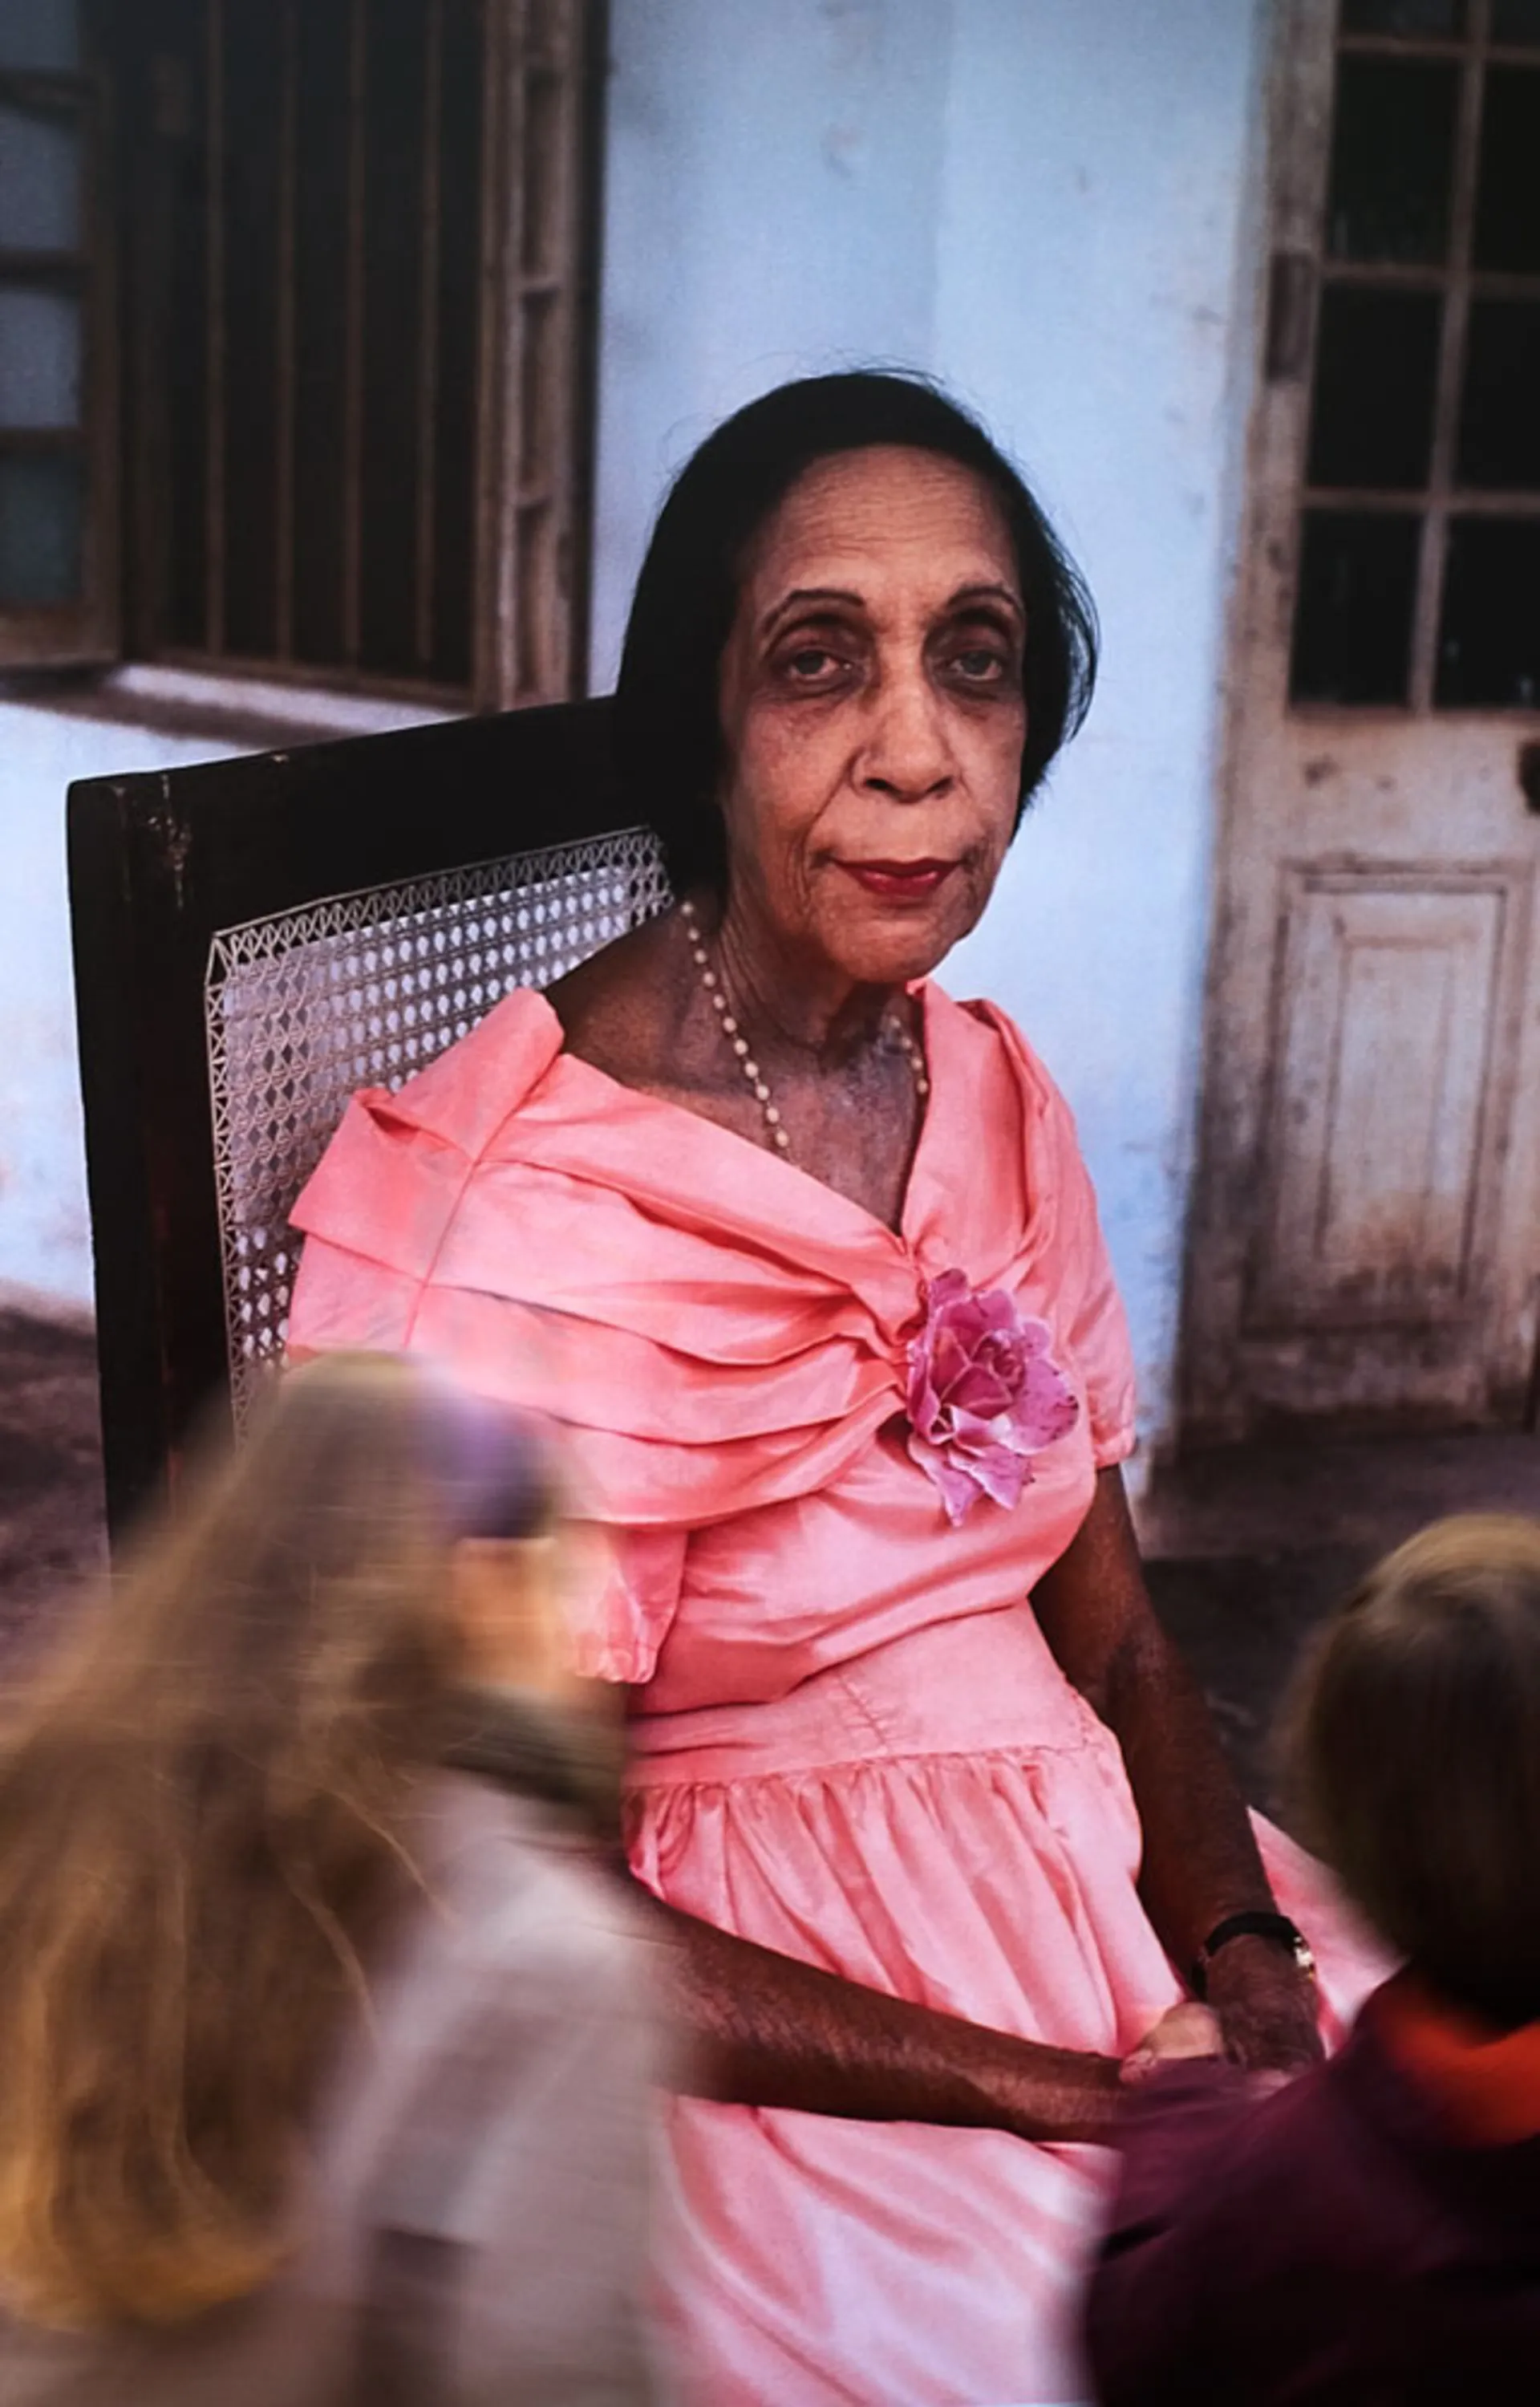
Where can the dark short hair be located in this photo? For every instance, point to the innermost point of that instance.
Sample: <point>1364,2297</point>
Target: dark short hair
<point>1416,1744</point>
<point>668,723</point>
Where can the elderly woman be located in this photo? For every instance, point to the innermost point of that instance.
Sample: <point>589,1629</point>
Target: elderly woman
<point>804,1255</point>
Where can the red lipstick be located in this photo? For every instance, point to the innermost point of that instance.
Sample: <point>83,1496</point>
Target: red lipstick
<point>899,881</point>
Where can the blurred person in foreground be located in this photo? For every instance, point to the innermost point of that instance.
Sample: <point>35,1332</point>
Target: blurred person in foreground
<point>325,2034</point>
<point>1370,2233</point>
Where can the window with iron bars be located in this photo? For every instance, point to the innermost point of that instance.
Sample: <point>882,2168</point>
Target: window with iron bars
<point>296,312</point>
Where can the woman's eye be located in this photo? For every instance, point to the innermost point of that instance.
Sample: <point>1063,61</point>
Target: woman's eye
<point>811,664</point>
<point>980,665</point>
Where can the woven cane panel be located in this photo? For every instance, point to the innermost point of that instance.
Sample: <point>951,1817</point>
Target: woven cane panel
<point>362,990</point>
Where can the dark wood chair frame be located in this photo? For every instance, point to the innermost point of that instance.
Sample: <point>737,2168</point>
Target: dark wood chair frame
<point>158,865</point>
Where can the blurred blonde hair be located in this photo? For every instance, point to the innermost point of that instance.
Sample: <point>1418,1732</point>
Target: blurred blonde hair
<point>203,1803</point>
<point>1415,1739</point>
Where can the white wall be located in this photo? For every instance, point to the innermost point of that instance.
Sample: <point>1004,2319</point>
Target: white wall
<point>773,188</point>
<point>44,1235</point>
<point>1053,208</point>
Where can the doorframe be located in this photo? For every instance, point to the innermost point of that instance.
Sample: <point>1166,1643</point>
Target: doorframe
<point>1232,1112</point>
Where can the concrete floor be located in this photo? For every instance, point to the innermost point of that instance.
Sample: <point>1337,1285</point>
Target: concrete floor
<point>1247,1547</point>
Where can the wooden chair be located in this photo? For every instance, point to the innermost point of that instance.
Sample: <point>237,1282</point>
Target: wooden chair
<point>254,940</point>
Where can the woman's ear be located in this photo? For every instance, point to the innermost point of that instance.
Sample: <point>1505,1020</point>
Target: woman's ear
<point>506,1601</point>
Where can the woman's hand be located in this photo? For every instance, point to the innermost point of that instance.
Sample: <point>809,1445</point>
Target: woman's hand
<point>1185,2030</point>
<point>1191,2029</point>
<point>1266,2007</point>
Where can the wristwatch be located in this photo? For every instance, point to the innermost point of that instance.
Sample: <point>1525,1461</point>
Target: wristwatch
<point>1255,1924</point>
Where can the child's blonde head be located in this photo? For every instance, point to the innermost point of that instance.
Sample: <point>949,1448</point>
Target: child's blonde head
<point>1416,1735</point>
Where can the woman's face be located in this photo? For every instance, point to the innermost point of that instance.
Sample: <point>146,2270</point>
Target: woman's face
<point>873,713</point>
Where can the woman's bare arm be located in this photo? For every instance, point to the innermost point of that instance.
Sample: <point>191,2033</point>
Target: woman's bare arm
<point>1200,1857</point>
<point>765,2029</point>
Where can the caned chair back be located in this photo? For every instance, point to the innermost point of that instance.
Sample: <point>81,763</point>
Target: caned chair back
<point>257,939</point>
<point>304,1007</point>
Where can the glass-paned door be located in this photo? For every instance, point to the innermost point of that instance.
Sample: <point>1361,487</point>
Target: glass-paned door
<point>1366,1232</point>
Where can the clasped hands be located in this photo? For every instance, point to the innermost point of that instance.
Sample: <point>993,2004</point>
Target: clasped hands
<point>1260,2014</point>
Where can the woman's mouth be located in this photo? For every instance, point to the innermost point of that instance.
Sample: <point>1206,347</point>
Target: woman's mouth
<point>899,881</point>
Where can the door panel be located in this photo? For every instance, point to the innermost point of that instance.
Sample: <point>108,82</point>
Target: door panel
<point>1389,1055</point>
<point>1365,1239</point>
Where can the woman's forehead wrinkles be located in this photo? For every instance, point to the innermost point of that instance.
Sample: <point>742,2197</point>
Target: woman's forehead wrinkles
<point>975,592</point>
<point>845,596</point>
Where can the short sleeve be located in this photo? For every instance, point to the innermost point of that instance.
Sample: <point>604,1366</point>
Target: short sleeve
<point>617,1633</point>
<point>1095,1325</point>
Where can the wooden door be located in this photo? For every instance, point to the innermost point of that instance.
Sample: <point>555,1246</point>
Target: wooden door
<point>1365,1240</point>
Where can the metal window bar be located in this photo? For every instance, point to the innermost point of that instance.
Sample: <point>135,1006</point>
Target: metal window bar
<point>358,168</point>
<point>285,397</point>
<point>214,473</point>
<point>428,356</point>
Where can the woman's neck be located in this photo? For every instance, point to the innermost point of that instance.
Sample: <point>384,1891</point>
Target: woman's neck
<point>791,991</point>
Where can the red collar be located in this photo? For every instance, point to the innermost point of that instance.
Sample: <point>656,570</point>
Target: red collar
<point>1484,2083</point>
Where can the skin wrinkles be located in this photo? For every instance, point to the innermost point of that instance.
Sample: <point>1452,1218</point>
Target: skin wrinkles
<point>873,709</point>
<point>833,596</point>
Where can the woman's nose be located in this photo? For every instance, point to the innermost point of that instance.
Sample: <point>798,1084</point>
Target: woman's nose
<point>907,754</point>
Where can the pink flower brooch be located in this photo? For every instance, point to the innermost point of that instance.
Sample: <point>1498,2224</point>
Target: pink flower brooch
<point>984,1394</point>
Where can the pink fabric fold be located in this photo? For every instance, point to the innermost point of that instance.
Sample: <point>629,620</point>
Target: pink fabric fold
<point>518,1213</point>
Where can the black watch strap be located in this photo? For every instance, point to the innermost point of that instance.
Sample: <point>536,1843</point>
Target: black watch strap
<point>1255,1923</point>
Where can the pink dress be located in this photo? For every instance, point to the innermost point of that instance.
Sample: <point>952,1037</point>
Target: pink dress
<point>852,1743</point>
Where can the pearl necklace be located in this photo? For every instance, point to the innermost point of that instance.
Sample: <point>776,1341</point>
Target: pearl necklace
<point>892,1027</point>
